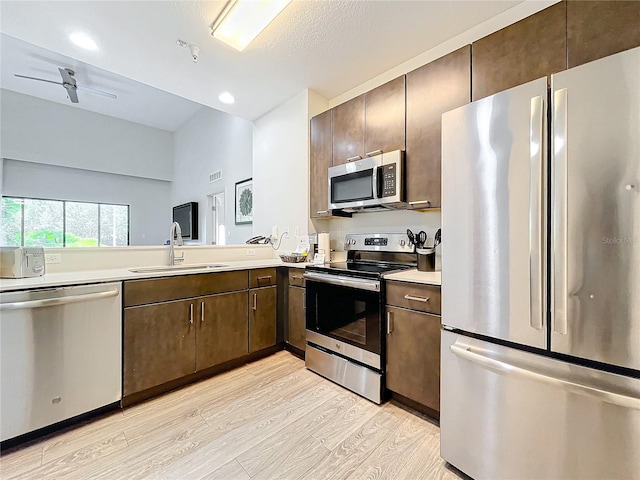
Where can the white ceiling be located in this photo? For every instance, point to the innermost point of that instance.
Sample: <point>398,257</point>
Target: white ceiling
<point>327,46</point>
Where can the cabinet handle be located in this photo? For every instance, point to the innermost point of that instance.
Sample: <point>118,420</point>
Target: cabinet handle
<point>255,301</point>
<point>428,202</point>
<point>191,313</point>
<point>265,277</point>
<point>304,301</point>
<point>375,152</point>
<point>319,212</point>
<point>355,157</point>
<point>389,322</point>
<point>417,299</point>
<point>296,277</point>
<point>201,312</point>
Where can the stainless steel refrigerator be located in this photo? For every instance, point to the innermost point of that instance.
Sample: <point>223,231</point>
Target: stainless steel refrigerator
<point>541,278</point>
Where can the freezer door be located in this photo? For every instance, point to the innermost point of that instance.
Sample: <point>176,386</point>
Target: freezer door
<point>596,210</point>
<point>509,414</point>
<point>493,215</point>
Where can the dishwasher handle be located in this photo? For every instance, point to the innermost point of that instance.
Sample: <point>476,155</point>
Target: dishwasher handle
<point>52,302</point>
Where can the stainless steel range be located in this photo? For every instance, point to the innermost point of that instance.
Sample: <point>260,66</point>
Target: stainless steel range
<point>345,308</point>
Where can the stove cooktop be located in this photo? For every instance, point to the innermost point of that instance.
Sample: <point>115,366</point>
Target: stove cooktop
<point>359,269</point>
<point>371,255</point>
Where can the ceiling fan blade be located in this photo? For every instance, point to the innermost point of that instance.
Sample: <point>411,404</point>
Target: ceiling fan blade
<point>67,76</point>
<point>71,91</point>
<point>95,91</point>
<point>38,79</point>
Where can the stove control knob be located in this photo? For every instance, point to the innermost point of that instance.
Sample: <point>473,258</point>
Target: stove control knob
<point>402,242</point>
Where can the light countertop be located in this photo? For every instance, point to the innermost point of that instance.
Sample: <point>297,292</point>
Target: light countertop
<point>413,275</point>
<point>119,274</point>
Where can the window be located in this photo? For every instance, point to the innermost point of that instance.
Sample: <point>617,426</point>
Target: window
<point>58,223</point>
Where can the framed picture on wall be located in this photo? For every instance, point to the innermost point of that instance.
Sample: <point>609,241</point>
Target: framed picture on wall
<point>244,202</point>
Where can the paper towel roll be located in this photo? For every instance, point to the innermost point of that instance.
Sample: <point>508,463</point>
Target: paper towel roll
<point>324,246</point>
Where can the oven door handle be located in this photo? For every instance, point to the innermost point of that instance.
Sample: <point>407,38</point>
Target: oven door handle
<point>359,283</point>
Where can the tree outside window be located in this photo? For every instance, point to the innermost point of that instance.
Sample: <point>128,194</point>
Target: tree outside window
<point>59,223</point>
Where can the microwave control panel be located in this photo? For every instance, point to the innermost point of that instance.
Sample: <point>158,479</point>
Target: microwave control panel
<point>389,180</point>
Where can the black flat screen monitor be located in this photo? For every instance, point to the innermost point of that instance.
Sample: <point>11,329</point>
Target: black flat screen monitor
<point>187,216</point>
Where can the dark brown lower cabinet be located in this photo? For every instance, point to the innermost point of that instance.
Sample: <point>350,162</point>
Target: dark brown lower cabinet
<point>262,318</point>
<point>413,356</point>
<point>159,344</point>
<point>222,329</point>
<point>296,335</point>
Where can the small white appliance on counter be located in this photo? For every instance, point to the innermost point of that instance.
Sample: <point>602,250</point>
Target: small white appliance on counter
<point>21,262</point>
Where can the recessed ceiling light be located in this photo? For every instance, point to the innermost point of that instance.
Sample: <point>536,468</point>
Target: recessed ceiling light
<point>83,40</point>
<point>226,97</point>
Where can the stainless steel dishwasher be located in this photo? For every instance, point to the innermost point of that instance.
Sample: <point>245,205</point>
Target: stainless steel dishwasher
<point>61,354</point>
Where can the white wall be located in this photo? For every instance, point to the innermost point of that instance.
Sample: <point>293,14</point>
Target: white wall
<point>281,167</point>
<point>47,132</point>
<point>212,140</point>
<point>150,215</point>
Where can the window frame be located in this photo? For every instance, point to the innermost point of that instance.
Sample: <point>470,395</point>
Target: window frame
<point>64,218</point>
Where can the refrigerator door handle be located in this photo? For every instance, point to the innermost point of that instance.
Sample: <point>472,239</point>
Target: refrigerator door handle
<point>536,213</point>
<point>503,367</point>
<point>559,198</point>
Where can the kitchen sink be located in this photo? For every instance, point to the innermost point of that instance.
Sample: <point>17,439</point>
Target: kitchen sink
<point>176,268</point>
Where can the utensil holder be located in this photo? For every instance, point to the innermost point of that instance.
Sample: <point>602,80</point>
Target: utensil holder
<point>426,259</point>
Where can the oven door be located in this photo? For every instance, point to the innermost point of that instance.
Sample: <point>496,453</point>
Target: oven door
<point>344,315</point>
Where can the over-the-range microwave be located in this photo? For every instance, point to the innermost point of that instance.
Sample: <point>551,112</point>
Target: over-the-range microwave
<point>376,181</point>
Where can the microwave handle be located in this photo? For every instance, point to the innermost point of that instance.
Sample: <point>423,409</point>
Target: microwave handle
<point>376,183</point>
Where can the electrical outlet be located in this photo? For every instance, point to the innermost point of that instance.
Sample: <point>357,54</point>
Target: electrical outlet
<point>53,258</point>
<point>251,252</point>
<point>297,232</point>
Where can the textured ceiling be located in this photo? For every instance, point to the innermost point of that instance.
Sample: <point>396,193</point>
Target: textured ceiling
<point>327,46</point>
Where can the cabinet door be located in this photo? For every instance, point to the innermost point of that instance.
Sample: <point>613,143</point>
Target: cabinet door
<point>320,161</point>
<point>222,329</point>
<point>529,49</point>
<point>159,344</point>
<point>385,117</point>
<point>413,355</point>
<point>432,90</point>
<point>348,130</point>
<point>599,29</point>
<point>262,318</point>
<point>297,335</point>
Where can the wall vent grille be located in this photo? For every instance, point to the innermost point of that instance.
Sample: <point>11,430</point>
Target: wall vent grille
<point>215,176</point>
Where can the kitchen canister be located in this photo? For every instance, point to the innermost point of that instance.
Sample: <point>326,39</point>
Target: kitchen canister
<point>324,245</point>
<point>426,259</point>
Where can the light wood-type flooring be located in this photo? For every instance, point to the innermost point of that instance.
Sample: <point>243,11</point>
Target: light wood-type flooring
<point>270,419</point>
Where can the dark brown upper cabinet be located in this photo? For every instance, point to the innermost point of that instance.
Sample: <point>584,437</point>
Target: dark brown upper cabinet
<point>432,90</point>
<point>348,131</point>
<point>529,49</point>
<point>385,118</point>
<point>320,161</point>
<point>596,29</point>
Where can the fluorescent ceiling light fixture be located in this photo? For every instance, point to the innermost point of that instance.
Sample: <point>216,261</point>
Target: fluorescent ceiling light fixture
<point>226,97</point>
<point>83,40</point>
<point>242,20</point>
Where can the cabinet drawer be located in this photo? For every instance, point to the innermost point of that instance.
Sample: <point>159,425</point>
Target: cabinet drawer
<point>295,277</point>
<point>424,298</point>
<point>262,277</point>
<point>140,292</point>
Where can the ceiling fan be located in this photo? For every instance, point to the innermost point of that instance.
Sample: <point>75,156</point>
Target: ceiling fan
<point>69,83</point>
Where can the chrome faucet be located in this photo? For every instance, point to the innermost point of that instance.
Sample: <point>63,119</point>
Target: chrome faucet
<point>175,230</point>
